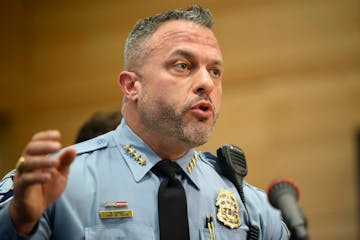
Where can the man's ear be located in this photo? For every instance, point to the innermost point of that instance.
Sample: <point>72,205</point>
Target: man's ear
<point>127,82</point>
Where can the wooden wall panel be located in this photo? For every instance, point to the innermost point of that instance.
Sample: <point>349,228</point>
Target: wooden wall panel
<point>291,87</point>
<point>302,131</point>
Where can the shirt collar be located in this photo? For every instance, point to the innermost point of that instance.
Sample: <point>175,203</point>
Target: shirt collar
<point>140,158</point>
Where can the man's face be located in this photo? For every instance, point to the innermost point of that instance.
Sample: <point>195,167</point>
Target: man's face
<point>180,79</point>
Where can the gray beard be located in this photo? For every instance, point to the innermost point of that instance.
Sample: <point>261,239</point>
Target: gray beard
<point>161,117</point>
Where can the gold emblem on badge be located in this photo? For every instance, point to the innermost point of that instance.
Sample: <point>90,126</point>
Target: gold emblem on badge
<point>228,212</point>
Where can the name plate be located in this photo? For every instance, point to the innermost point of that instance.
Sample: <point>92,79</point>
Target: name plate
<point>126,213</point>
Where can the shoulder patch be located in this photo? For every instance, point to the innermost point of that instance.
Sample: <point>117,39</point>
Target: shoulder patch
<point>6,187</point>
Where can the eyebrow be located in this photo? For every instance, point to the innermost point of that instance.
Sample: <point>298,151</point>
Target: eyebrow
<point>187,54</point>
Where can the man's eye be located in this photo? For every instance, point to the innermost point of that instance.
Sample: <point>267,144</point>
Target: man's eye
<point>215,72</point>
<point>182,66</point>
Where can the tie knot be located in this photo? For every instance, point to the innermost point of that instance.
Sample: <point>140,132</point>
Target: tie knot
<point>167,168</point>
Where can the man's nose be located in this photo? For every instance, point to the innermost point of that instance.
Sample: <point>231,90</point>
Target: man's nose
<point>204,82</point>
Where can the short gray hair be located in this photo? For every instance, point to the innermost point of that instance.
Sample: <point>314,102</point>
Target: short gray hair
<point>144,29</point>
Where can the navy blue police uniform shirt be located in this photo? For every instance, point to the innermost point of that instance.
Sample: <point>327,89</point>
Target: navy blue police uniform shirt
<point>112,193</point>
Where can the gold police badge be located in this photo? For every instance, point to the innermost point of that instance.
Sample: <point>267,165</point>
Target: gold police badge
<point>228,212</point>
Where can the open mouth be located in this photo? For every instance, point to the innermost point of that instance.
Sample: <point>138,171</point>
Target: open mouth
<point>203,105</point>
<point>203,109</point>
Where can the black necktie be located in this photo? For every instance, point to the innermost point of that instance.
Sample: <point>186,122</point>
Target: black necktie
<point>173,219</point>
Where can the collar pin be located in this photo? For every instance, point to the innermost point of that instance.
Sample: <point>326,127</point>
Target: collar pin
<point>192,163</point>
<point>134,155</point>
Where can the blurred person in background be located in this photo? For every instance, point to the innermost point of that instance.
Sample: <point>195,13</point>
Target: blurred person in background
<point>98,124</point>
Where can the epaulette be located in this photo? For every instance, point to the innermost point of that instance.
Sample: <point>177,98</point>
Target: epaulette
<point>92,144</point>
<point>211,160</point>
<point>6,187</point>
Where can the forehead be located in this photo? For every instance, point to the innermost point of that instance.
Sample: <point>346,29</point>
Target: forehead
<point>179,33</point>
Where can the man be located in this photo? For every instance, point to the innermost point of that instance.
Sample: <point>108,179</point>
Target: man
<point>117,185</point>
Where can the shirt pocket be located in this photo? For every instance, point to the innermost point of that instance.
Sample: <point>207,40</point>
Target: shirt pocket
<point>224,234</point>
<point>119,231</point>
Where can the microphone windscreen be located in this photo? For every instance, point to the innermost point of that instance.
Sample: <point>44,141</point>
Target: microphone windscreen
<point>282,186</point>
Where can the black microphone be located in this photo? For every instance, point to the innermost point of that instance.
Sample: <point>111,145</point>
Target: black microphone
<point>283,194</point>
